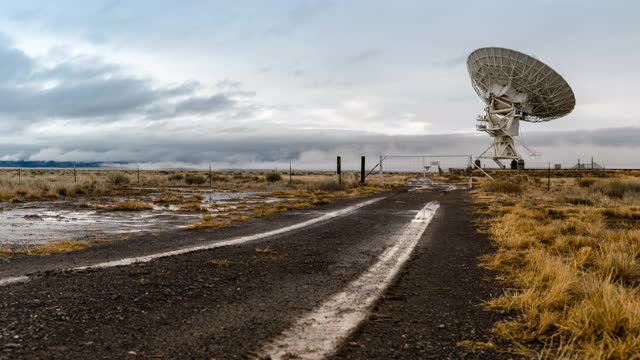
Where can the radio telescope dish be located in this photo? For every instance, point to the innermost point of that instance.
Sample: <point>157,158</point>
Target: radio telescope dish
<point>515,87</point>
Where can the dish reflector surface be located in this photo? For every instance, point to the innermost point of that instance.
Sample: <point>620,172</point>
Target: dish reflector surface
<point>543,93</point>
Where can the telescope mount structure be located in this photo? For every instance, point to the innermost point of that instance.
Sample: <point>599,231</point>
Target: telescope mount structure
<point>514,87</point>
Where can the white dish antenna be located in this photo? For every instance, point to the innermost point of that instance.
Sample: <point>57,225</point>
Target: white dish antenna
<point>515,87</point>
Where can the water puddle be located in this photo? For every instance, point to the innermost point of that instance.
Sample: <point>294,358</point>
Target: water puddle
<point>40,222</point>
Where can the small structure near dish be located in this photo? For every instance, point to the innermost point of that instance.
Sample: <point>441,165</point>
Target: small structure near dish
<point>515,87</point>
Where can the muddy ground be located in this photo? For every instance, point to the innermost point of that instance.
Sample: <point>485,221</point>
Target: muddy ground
<point>224,303</point>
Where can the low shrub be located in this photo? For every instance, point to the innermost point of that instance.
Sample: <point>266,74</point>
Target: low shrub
<point>621,214</point>
<point>328,185</point>
<point>586,182</point>
<point>578,201</point>
<point>503,186</point>
<point>194,179</point>
<point>176,177</point>
<point>616,188</point>
<point>273,177</point>
<point>118,179</point>
<point>520,179</point>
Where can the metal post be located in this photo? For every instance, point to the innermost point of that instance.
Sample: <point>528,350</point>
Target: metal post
<point>424,169</point>
<point>549,178</point>
<point>381,171</point>
<point>138,174</point>
<point>74,173</point>
<point>470,167</point>
<point>339,170</point>
<point>210,176</point>
<point>290,171</point>
<point>19,177</point>
<point>362,169</point>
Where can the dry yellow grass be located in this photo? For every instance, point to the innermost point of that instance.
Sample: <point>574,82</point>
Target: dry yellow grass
<point>476,345</point>
<point>220,262</point>
<point>129,205</point>
<point>572,266</point>
<point>169,198</point>
<point>264,250</point>
<point>41,184</point>
<point>48,248</point>
<point>192,207</point>
<point>209,222</point>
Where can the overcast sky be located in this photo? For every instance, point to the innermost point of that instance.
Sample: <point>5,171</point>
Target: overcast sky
<point>262,83</point>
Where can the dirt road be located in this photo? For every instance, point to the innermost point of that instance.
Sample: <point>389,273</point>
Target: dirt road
<point>236,301</point>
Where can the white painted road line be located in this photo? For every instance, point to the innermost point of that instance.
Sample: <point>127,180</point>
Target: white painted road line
<point>13,280</point>
<point>236,241</point>
<point>319,333</point>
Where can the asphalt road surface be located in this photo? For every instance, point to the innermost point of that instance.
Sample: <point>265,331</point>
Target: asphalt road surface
<point>393,278</point>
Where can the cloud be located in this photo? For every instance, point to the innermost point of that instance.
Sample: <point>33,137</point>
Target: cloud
<point>304,12</point>
<point>317,149</point>
<point>87,89</point>
<point>16,66</point>
<point>454,61</point>
<point>364,56</point>
<point>204,105</point>
<point>128,97</point>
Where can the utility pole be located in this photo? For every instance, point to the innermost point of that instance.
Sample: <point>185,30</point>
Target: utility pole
<point>381,171</point>
<point>362,169</point>
<point>339,170</point>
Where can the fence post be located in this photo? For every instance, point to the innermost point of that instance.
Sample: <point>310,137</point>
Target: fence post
<point>362,169</point>
<point>549,178</point>
<point>138,174</point>
<point>210,176</point>
<point>19,177</point>
<point>290,172</point>
<point>381,171</point>
<point>75,179</point>
<point>339,170</point>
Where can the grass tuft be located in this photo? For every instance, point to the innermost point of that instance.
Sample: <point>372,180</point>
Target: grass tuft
<point>192,207</point>
<point>130,205</point>
<point>209,222</point>
<point>220,262</point>
<point>53,247</point>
